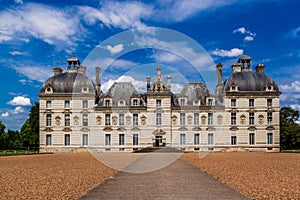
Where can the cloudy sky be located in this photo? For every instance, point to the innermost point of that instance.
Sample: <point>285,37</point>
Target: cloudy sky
<point>36,36</point>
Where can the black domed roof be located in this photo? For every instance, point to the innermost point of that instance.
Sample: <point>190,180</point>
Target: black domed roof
<point>68,82</point>
<point>250,81</point>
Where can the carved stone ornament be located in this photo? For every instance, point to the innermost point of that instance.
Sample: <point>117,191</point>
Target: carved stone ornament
<point>143,119</point>
<point>243,119</point>
<point>76,120</point>
<point>220,119</point>
<point>128,120</point>
<point>189,118</point>
<point>99,119</point>
<point>203,119</point>
<point>57,120</point>
<point>114,120</point>
<point>174,119</point>
<point>260,119</point>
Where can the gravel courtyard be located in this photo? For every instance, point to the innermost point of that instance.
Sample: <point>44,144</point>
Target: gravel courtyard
<point>255,174</point>
<point>69,176</point>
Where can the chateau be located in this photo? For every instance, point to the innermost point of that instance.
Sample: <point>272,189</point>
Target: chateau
<point>241,115</point>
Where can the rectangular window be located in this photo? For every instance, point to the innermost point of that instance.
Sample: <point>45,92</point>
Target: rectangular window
<point>107,103</point>
<point>251,118</point>
<point>67,139</point>
<point>48,140</point>
<point>121,119</point>
<point>251,102</point>
<point>270,138</point>
<point>269,102</point>
<point>48,104</point>
<point>182,118</point>
<point>251,138</point>
<point>67,120</point>
<point>85,120</point>
<point>67,104</point>
<point>196,118</point>
<point>107,140</point>
<point>158,118</point>
<point>233,102</point>
<point>135,102</point>
<point>269,118</point>
<point>196,139</point>
<point>210,118</point>
<point>233,138</point>
<point>210,102</point>
<point>107,119</point>
<point>135,120</point>
<point>182,138</point>
<point>135,139</point>
<point>121,139</point>
<point>85,139</point>
<point>233,118</point>
<point>158,103</point>
<point>48,120</point>
<point>182,102</point>
<point>210,139</point>
<point>85,104</point>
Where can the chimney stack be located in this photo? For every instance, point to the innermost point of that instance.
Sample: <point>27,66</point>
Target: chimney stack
<point>236,67</point>
<point>260,68</point>
<point>148,83</point>
<point>169,82</point>
<point>219,74</point>
<point>98,69</point>
<point>57,71</point>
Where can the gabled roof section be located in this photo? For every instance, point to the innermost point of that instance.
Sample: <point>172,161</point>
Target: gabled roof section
<point>194,91</point>
<point>159,85</point>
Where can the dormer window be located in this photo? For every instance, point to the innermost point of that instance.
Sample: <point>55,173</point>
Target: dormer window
<point>121,103</point>
<point>182,102</point>
<point>135,102</point>
<point>234,88</point>
<point>196,102</point>
<point>269,88</point>
<point>85,90</point>
<point>48,90</point>
<point>210,102</point>
<point>107,103</point>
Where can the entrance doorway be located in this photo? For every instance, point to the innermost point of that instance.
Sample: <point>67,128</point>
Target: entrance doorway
<point>158,141</point>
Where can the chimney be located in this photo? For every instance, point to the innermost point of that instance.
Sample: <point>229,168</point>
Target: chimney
<point>260,68</point>
<point>57,71</point>
<point>81,69</point>
<point>236,67</point>
<point>148,83</point>
<point>169,82</point>
<point>98,69</point>
<point>219,74</point>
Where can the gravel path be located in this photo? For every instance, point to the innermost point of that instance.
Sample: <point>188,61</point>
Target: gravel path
<point>256,175</point>
<point>52,176</point>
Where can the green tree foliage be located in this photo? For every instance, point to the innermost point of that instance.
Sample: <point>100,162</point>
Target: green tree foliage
<point>289,129</point>
<point>30,129</point>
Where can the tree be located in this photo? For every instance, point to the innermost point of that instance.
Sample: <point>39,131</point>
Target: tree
<point>30,129</point>
<point>289,129</point>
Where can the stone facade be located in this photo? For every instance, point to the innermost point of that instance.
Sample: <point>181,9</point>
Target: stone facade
<point>241,115</point>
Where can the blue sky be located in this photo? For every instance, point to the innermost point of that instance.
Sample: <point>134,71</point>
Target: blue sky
<point>36,36</point>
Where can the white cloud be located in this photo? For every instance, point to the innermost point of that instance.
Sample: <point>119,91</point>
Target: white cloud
<point>248,38</point>
<point>295,106</point>
<point>166,57</point>
<point>34,72</point>
<point>115,49</point>
<point>179,10</point>
<point>6,114</point>
<point>139,85</point>
<point>124,15</point>
<point>18,110</point>
<point>20,101</point>
<point>294,87</point>
<point>249,35</point>
<point>52,25</point>
<point>228,53</point>
<point>16,53</point>
<point>19,1</point>
<point>176,88</point>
